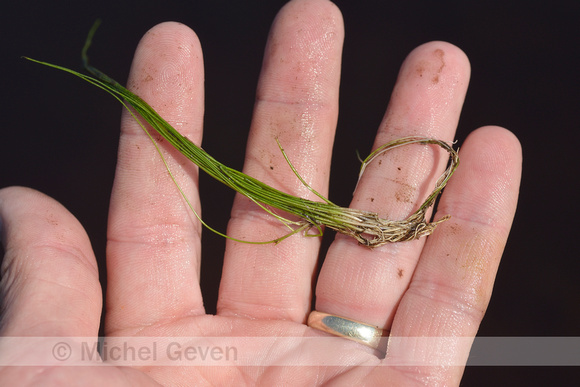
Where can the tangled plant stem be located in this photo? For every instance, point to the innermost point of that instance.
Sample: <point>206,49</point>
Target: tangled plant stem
<point>366,227</point>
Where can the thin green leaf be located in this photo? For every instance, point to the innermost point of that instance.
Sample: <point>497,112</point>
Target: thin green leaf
<point>366,227</point>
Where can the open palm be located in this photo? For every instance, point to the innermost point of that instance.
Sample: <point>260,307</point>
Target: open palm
<point>433,287</point>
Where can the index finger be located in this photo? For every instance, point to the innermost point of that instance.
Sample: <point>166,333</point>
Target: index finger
<point>153,250</point>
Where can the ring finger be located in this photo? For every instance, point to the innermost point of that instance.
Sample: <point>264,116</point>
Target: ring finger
<point>363,284</point>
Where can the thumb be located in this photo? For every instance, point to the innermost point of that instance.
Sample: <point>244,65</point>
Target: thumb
<point>49,279</point>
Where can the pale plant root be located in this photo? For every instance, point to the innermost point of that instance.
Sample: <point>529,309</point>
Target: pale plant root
<point>368,228</point>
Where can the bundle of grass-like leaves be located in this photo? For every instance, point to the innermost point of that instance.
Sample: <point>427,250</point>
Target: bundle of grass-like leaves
<point>366,227</point>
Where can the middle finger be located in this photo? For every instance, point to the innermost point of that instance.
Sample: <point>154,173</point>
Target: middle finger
<point>297,103</point>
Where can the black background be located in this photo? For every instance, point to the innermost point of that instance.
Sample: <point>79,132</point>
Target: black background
<point>59,135</point>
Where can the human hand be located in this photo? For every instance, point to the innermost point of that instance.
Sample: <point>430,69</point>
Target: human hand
<point>433,287</point>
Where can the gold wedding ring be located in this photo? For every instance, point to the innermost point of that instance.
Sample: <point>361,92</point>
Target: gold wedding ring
<point>363,333</point>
